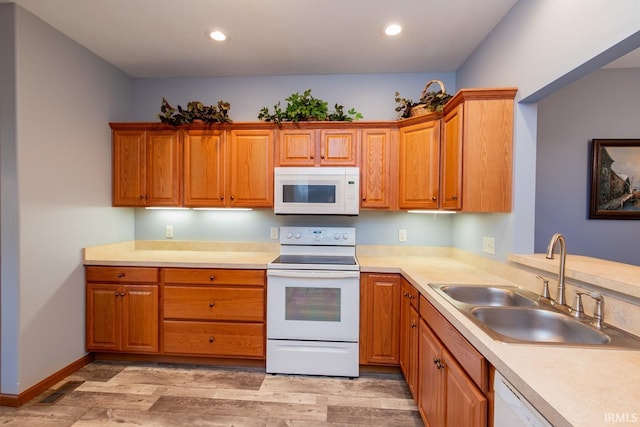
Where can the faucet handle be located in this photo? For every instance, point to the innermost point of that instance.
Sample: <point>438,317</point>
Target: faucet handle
<point>578,308</point>
<point>598,312</point>
<point>545,287</point>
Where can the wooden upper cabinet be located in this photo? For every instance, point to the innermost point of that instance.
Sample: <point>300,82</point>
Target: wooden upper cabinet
<point>204,168</point>
<point>339,147</point>
<point>147,167</point>
<point>318,147</point>
<point>297,147</point>
<point>419,166</point>
<point>250,166</point>
<point>375,169</point>
<point>478,150</point>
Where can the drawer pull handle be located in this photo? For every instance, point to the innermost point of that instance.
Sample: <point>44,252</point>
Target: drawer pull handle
<point>211,304</point>
<point>438,363</point>
<point>211,339</point>
<point>212,277</point>
<point>120,275</point>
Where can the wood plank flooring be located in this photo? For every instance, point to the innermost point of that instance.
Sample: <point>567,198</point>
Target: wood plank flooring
<point>147,394</point>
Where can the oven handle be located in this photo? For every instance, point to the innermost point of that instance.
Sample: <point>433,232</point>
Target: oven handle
<point>313,274</point>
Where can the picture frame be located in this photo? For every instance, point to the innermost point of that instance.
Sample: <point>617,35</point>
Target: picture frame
<point>615,179</point>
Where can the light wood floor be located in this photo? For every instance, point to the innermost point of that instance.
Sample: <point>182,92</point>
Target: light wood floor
<point>126,394</point>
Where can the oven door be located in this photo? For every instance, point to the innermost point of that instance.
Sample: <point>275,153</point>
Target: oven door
<point>313,305</point>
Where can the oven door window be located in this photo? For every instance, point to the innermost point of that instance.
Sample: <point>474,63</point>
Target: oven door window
<point>312,304</point>
<point>309,193</point>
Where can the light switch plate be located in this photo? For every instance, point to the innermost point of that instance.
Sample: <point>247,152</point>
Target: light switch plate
<point>402,235</point>
<point>274,233</point>
<point>168,232</point>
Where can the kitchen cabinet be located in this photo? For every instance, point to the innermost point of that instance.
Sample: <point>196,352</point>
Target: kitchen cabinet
<point>409,322</point>
<point>318,147</point>
<point>477,151</point>
<point>380,319</point>
<point>250,168</point>
<point>419,165</point>
<point>204,168</point>
<point>122,309</point>
<point>214,312</point>
<point>377,186</point>
<point>147,165</point>
<point>452,375</point>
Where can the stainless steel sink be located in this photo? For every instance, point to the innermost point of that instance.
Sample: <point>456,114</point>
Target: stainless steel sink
<point>487,295</point>
<point>515,315</point>
<point>538,325</point>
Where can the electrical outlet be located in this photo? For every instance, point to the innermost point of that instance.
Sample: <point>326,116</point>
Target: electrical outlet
<point>489,245</point>
<point>402,235</point>
<point>274,233</point>
<point>168,232</point>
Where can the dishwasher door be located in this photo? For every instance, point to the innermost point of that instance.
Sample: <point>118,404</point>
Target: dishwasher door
<point>511,409</point>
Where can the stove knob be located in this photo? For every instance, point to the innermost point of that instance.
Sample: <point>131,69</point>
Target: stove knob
<point>297,235</point>
<point>289,235</point>
<point>336,236</point>
<point>346,236</point>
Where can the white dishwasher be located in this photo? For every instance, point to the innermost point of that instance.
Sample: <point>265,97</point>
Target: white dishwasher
<point>511,409</point>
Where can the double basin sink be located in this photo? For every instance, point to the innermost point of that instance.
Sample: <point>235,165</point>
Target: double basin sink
<point>515,315</point>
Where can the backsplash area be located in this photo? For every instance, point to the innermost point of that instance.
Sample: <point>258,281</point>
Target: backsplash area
<point>372,227</point>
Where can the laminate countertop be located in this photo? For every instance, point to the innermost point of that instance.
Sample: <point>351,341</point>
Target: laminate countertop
<point>570,386</point>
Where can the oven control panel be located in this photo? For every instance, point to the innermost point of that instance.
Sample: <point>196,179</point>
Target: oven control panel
<point>326,236</point>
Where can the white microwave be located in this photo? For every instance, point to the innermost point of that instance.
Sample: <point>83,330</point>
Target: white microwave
<point>317,190</point>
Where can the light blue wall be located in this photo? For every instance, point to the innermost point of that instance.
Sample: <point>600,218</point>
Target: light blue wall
<point>372,228</point>
<point>57,177</point>
<point>540,47</point>
<point>604,104</point>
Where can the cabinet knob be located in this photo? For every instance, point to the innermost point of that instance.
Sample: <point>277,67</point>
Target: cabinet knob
<point>212,277</point>
<point>211,304</point>
<point>142,196</point>
<point>434,198</point>
<point>454,197</point>
<point>364,199</point>
<point>322,156</point>
<point>404,294</point>
<point>413,325</point>
<point>221,197</point>
<point>438,363</point>
<point>211,339</point>
<point>233,198</point>
<point>311,156</point>
<point>120,275</point>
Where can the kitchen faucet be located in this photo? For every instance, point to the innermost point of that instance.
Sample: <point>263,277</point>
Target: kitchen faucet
<point>558,239</point>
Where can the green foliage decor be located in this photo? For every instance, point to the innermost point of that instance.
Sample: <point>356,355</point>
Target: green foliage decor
<point>429,100</point>
<point>301,107</point>
<point>195,110</point>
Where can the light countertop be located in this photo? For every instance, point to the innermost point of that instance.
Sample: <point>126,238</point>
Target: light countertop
<point>569,386</point>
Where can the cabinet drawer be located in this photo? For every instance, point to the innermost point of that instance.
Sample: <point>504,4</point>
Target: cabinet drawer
<point>208,276</point>
<point>214,303</point>
<point>214,338</point>
<point>468,357</point>
<point>122,274</point>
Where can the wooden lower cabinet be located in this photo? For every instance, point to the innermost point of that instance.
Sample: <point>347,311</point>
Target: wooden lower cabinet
<point>380,319</point>
<point>448,396</point>
<point>122,309</point>
<point>409,322</point>
<point>213,312</point>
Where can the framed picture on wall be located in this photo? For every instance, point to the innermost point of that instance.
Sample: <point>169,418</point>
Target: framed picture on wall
<point>615,179</point>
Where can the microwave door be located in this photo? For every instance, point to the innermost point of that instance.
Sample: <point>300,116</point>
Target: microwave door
<point>312,195</point>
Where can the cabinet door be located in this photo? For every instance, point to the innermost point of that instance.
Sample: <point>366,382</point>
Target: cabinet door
<point>339,147</point>
<point>164,160</point>
<point>297,147</point>
<point>419,166</point>
<point>465,404</point>
<point>140,318</point>
<point>380,319</point>
<point>104,320</point>
<point>203,168</point>
<point>430,378</point>
<point>376,169</point>
<point>251,168</point>
<point>451,179</point>
<point>129,168</point>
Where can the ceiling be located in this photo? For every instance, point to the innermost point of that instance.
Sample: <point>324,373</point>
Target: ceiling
<point>168,38</point>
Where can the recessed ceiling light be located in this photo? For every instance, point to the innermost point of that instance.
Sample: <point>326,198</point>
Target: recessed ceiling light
<point>217,35</point>
<point>392,29</point>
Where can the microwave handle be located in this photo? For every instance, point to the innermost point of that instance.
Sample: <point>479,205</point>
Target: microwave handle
<point>313,274</point>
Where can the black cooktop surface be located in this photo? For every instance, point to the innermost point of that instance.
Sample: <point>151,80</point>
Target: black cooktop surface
<point>315,259</point>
